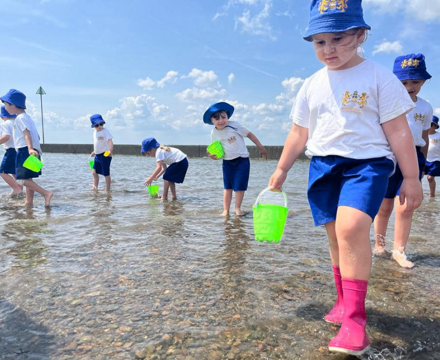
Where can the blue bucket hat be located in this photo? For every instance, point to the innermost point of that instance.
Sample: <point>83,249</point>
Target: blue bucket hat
<point>411,67</point>
<point>96,119</point>
<point>16,98</point>
<point>435,121</point>
<point>327,16</point>
<point>148,144</point>
<point>220,106</point>
<point>5,113</point>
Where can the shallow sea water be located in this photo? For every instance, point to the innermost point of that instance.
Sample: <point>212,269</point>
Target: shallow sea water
<point>123,276</point>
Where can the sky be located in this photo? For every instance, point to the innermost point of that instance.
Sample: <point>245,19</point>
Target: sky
<point>152,67</point>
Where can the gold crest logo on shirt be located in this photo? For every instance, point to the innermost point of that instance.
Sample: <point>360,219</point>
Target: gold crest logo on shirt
<point>434,141</point>
<point>354,102</point>
<point>232,140</point>
<point>419,118</point>
<point>410,62</point>
<point>326,5</point>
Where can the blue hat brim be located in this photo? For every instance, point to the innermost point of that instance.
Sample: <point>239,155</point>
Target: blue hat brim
<point>9,100</point>
<point>98,122</point>
<point>148,144</point>
<point>220,106</point>
<point>415,74</point>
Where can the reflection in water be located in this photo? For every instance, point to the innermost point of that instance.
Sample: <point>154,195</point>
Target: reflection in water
<point>111,276</point>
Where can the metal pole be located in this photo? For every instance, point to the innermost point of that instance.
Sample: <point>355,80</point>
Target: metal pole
<point>42,121</point>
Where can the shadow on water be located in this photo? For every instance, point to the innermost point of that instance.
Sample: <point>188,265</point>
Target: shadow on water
<point>20,337</point>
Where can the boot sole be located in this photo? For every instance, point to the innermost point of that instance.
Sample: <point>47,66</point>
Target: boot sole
<point>348,351</point>
<point>331,322</point>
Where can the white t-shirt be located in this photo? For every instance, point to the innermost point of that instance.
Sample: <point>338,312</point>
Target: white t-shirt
<point>169,157</point>
<point>100,141</point>
<point>434,147</point>
<point>7,128</point>
<point>344,110</point>
<point>232,139</point>
<point>21,123</point>
<point>419,119</point>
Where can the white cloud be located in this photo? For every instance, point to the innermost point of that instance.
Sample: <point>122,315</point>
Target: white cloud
<point>203,78</point>
<point>170,77</point>
<point>146,84</point>
<point>257,25</point>
<point>231,78</point>
<point>425,10</point>
<point>388,47</point>
<point>196,94</point>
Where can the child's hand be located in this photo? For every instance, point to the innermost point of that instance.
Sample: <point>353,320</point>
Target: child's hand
<point>411,192</point>
<point>33,152</point>
<point>213,157</point>
<point>263,152</point>
<point>148,181</point>
<point>92,154</point>
<point>277,179</point>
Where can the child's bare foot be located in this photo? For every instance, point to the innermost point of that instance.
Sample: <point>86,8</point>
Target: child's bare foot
<point>431,195</point>
<point>173,198</point>
<point>94,188</point>
<point>381,252</point>
<point>225,213</point>
<point>163,198</point>
<point>400,257</point>
<point>47,198</point>
<point>28,205</point>
<point>239,212</point>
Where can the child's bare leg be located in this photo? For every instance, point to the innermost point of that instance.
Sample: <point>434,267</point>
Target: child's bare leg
<point>10,180</point>
<point>239,195</point>
<point>166,186</point>
<point>29,198</point>
<point>227,198</point>
<point>333,243</point>
<point>353,234</point>
<point>95,180</point>
<point>173,190</point>
<point>402,229</point>
<point>108,182</point>
<point>431,182</point>
<point>30,184</point>
<point>380,227</point>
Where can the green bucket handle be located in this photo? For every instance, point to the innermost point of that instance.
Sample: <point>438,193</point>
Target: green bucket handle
<point>268,189</point>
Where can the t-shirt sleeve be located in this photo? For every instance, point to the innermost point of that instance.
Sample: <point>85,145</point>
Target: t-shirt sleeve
<point>20,123</point>
<point>300,113</point>
<point>393,98</point>
<point>242,130</point>
<point>108,135</point>
<point>160,155</point>
<point>430,114</point>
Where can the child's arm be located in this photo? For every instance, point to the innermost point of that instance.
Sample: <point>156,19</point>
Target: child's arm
<point>4,138</point>
<point>155,173</point>
<point>295,142</point>
<point>164,167</point>
<point>401,141</point>
<point>110,147</point>
<point>28,138</point>
<point>263,152</point>
<point>425,137</point>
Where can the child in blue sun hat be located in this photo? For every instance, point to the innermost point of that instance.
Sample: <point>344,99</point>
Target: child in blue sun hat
<point>411,71</point>
<point>432,166</point>
<point>170,162</point>
<point>236,165</point>
<point>7,167</point>
<point>102,152</point>
<point>351,115</point>
<point>26,142</point>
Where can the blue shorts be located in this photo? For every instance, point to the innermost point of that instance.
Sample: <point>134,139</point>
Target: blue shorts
<point>337,181</point>
<point>396,180</point>
<point>102,164</point>
<point>236,174</point>
<point>8,164</point>
<point>21,172</point>
<point>432,168</point>
<point>176,172</point>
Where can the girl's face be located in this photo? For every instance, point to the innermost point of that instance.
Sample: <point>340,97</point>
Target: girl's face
<point>151,152</point>
<point>220,120</point>
<point>432,129</point>
<point>413,87</point>
<point>338,51</point>
<point>10,108</point>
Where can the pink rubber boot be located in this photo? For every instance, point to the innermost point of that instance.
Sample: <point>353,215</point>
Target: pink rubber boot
<point>335,315</point>
<point>352,338</point>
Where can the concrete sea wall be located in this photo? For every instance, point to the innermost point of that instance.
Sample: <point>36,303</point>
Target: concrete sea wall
<point>193,151</point>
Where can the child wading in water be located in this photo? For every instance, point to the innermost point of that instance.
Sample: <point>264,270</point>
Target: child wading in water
<point>411,71</point>
<point>432,167</point>
<point>351,113</point>
<point>236,165</point>
<point>171,162</point>
<point>7,167</point>
<point>26,142</point>
<point>102,151</point>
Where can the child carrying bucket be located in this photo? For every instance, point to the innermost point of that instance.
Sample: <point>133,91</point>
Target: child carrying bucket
<point>170,162</point>
<point>236,165</point>
<point>102,152</point>
<point>351,114</point>
<point>7,167</point>
<point>27,143</point>
<point>432,166</point>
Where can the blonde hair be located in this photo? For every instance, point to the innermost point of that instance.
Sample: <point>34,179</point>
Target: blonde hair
<point>163,147</point>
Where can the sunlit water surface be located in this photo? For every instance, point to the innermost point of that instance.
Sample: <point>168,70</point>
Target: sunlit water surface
<point>123,276</point>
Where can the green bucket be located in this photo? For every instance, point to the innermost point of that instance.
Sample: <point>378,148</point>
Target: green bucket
<point>33,163</point>
<point>269,219</point>
<point>91,163</point>
<point>216,149</point>
<point>153,190</point>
